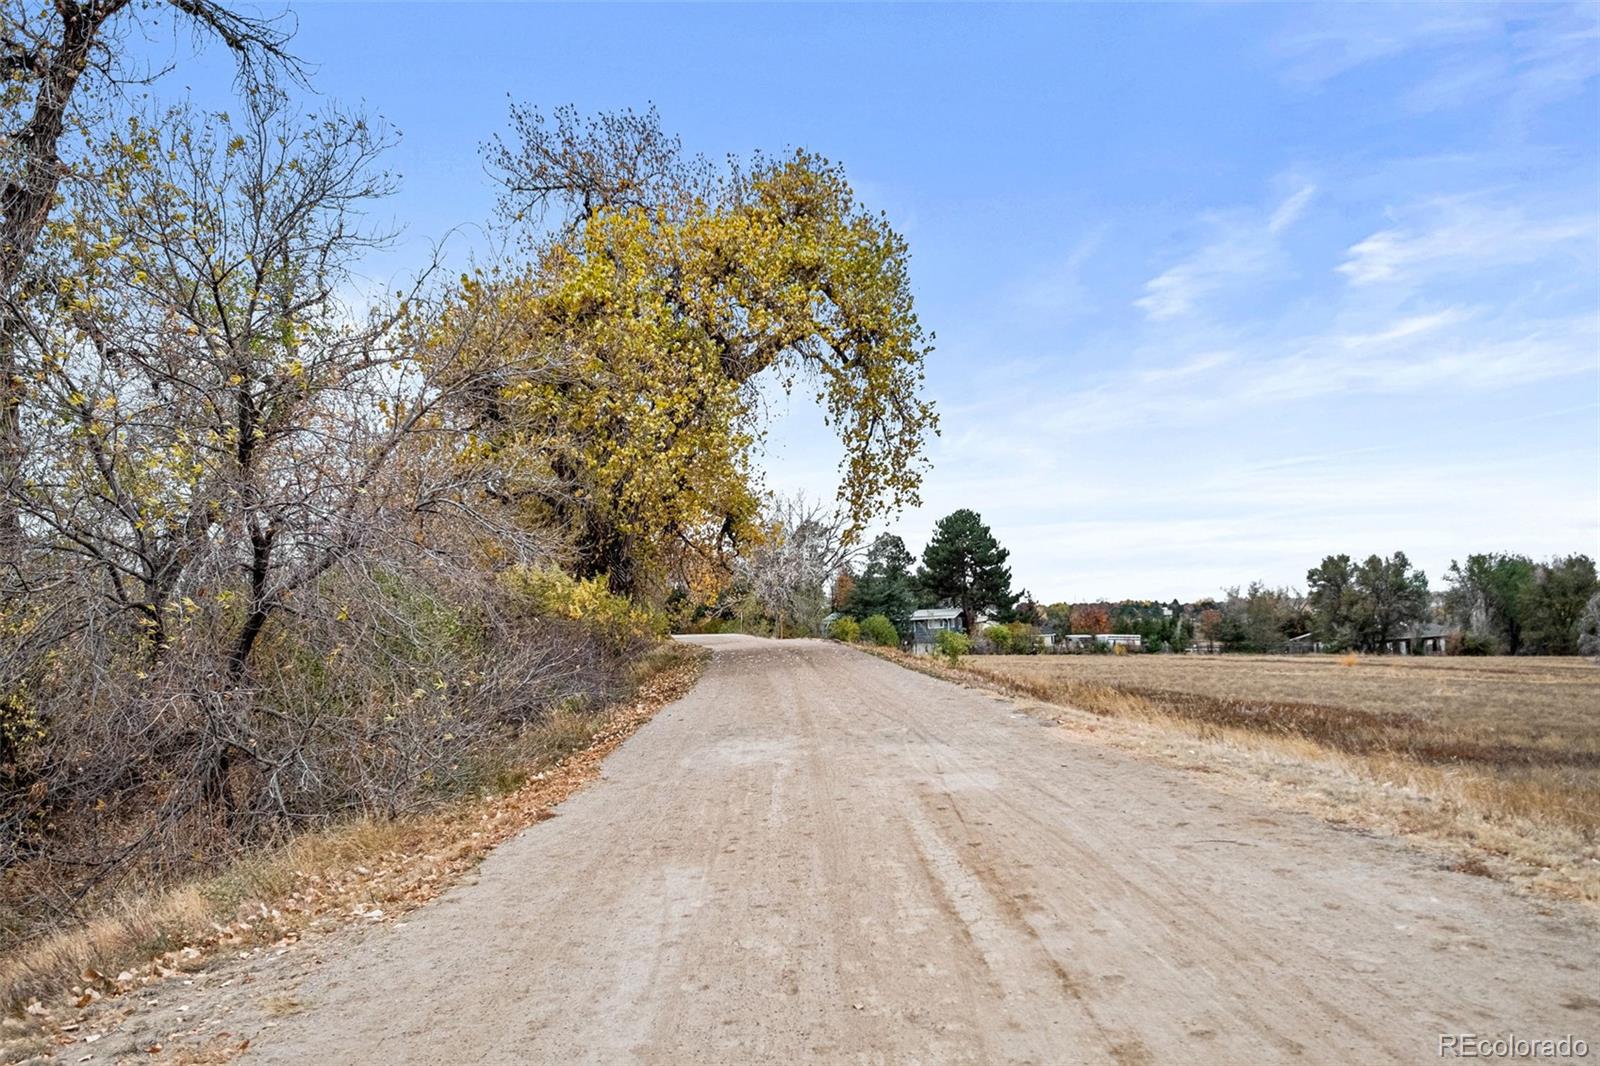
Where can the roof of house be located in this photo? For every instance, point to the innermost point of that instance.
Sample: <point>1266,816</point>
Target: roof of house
<point>927,614</point>
<point>1424,631</point>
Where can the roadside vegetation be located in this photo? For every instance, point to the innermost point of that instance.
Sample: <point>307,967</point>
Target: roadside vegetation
<point>280,551</point>
<point>358,871</point>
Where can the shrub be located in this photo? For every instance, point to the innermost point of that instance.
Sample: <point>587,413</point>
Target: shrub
<point>952,644</point>
<point>879,630</point>
<point>550,592</point>
<point>999,637</point>
<point>845,629</point>
<point>1024,639</point>
<point>1471,644</point>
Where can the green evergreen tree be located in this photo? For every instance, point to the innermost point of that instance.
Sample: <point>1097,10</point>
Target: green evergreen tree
<point>886,586</point>
<point>964,566</point>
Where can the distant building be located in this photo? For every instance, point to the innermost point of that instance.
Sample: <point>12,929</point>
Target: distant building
<point>1083,641</point>
<point>926,624</point>
<point>1427,639</point>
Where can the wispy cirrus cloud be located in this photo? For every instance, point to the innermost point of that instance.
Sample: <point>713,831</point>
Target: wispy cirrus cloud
<point>1445,352</point>
<point>1060,291</point>
<point>1334,40</point>
<point>1239,246</point>
<point>1457,54</point>
<point>1460,236</point>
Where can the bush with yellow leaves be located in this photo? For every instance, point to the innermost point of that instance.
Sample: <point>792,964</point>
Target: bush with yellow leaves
<point>550,592</point>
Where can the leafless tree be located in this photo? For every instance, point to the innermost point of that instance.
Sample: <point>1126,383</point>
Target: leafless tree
<point>580,164</point>
<point>806,543</point>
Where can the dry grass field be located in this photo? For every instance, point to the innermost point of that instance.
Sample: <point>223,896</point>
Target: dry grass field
<point>1503,753</point>
<point>1505,710</point>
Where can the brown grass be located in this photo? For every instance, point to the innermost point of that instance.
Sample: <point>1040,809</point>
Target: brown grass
<point>362,871</point>
<point>1499,754</point>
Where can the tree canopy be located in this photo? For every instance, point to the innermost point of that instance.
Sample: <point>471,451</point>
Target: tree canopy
<point>1389,595</point>
<point>886,585</point>
<point>663,298</point>
<point>1517,605</point>
<point>964,565</point>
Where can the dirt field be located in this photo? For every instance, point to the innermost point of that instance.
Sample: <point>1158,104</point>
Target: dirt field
<point>1501,752</point>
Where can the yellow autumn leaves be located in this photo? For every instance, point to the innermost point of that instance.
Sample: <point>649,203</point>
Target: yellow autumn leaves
<point>640,336</point>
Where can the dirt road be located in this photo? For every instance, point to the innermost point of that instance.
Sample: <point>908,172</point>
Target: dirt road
<point>820,856</point>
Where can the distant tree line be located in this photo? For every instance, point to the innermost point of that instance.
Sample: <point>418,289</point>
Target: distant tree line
<point>1494,604</point>
<point>1509,604</point>
<point>1497,603</point>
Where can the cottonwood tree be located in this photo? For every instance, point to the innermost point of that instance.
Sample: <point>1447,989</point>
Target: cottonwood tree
<point>675,289</point>
<point>1518,604</point>
<point>1388,596</point>
<point>1330,596</point>
<point>964,565</point>
<point>59,60</point>
<point>1488,597</point>
<point>1561,589</point>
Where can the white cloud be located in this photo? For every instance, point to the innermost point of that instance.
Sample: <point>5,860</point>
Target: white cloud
<point>1451,351</point>
<point>1288,212</point>
<point>1330,41</point>
<point>1462,237</point>
<point>1242,246</point>
<point>1199,364</point>
<point>1460,55</point>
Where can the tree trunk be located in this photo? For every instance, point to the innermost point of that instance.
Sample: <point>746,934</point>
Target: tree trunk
<point>25,204</point>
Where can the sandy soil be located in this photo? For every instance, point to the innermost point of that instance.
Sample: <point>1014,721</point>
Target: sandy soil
<point>818,855</point>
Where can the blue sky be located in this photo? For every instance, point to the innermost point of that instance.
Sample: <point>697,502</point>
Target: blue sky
<point>1217,289</point>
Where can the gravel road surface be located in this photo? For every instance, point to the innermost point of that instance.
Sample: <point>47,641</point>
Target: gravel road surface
<point>820,856</point>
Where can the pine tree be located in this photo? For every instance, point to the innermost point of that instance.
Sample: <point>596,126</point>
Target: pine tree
<point>964,566</point>
<point>885,586</point>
